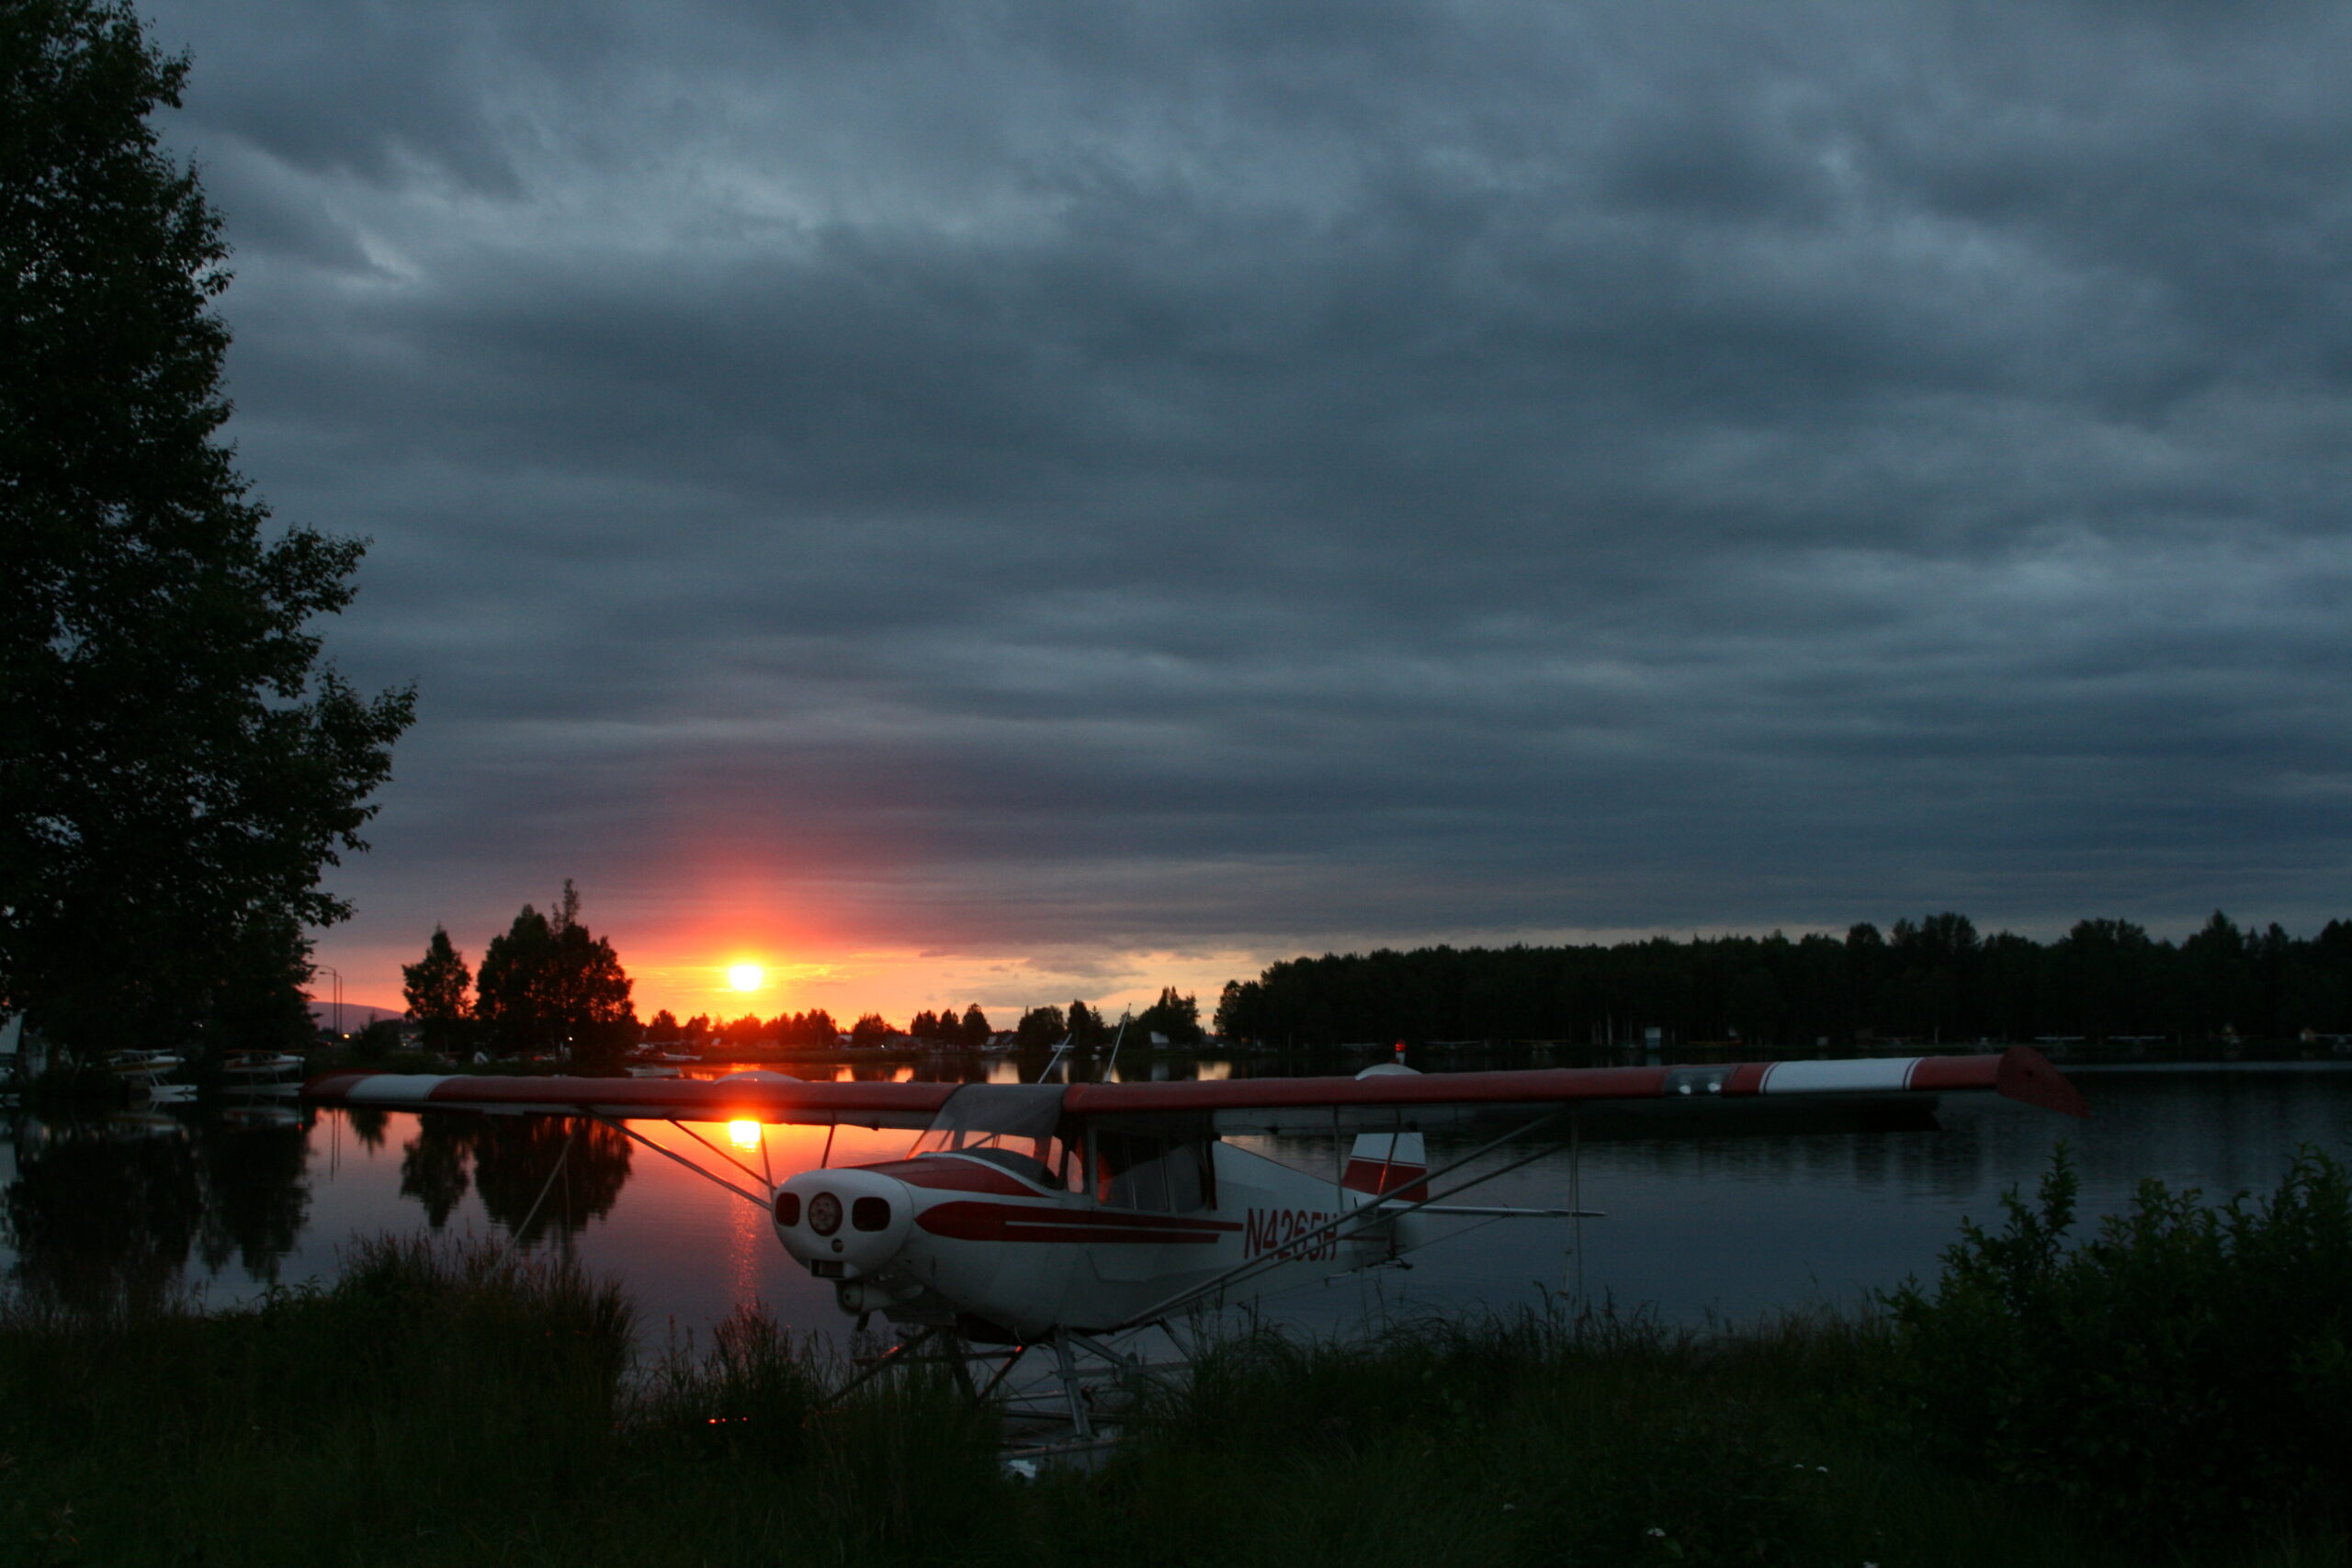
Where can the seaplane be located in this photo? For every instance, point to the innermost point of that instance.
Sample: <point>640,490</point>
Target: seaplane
<point>1062,1215</point>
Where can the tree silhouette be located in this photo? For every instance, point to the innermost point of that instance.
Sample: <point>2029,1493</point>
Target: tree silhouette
<point>434,987</point>
<point>550,983</point>
<point>179,765</point>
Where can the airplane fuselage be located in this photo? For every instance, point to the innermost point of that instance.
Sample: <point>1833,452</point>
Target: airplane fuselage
<point>999,1251</point>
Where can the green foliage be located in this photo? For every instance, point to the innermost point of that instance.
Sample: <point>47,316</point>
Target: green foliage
<point>1935,979</point>
<point>948,1027</point>
<point>1537,1440</point>
<point>1176,1018</point>
<point>445,1406</point>
<point>377,1041</point>
<point>814,1027</point>
<point>753,1391</point>
<point>449,1403</point>
<point>2183,1371</point>
<point>434,989</point>
<point>547,983</point>
<point>1040,1027</point>
<point>178,764</point>
<point>427,1386</point>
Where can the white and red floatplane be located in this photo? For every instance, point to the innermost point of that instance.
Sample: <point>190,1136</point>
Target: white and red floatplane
<point>1061,1215</point>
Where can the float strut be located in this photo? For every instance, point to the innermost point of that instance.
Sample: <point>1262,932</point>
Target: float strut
<point>1067,1365</point>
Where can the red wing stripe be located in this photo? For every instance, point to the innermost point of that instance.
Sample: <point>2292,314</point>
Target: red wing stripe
<point>2019,1073</point>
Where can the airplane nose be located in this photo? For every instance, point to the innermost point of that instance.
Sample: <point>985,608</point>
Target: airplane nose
<point>844,1225</point>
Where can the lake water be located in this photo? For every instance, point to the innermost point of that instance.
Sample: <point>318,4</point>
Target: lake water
<point>221,1207</point>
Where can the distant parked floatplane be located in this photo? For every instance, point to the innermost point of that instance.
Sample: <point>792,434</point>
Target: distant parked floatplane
<point>1060,1215</point>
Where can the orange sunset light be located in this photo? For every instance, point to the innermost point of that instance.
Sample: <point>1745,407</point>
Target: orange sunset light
<point>745,976</point>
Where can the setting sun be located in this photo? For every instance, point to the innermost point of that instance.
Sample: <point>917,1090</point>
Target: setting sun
<point>745,976</point>
<point>744,1135</point>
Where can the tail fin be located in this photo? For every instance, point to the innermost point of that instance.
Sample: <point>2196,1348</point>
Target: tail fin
<point>1387,1162</point>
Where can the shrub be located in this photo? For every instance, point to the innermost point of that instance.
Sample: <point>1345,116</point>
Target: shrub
<point>2183,1371</point>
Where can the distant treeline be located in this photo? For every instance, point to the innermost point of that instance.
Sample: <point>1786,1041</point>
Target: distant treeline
<point>1174,1017</point>
<point>1933,979</point>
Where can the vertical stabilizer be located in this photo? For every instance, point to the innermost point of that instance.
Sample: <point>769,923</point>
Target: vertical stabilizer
<point>1387,1162</point>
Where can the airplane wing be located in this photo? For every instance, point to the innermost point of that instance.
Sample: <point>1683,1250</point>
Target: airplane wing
<point>1718,1098</point>
<point>742,1097</point>
<point>1762,1096</point>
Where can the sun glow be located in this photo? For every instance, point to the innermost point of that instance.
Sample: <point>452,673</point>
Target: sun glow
<point>744,1135</point>
<point>745,976</point>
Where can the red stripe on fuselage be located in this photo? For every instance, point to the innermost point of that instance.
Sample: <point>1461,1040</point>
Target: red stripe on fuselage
<point>962,1220</point>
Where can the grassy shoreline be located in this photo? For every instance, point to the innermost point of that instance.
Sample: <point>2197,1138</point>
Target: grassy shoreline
<point>445,1405</point>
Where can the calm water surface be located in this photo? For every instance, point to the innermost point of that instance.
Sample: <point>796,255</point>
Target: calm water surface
<point>223,1207</point>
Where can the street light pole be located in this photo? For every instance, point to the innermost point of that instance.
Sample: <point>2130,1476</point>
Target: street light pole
<point>331,969</point>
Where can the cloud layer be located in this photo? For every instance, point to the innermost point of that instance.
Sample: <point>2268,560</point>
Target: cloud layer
<point>1036,485</point>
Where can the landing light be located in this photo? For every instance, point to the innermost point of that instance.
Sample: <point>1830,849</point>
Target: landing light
<point>824,1213</point>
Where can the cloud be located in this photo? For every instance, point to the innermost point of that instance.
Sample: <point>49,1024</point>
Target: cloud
<point>1116,479</point>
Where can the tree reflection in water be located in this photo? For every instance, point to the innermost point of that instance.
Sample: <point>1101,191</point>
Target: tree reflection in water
<point>433,1164</point>
<point>104,1215</point>
<point>257,1200</point>
<point>368,1123</point>
<point>512,1158</point>
<point>102,1222</point>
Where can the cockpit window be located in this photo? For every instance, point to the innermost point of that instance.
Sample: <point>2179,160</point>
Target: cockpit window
<point>1139,1170</point>
<point>1017,1126</point>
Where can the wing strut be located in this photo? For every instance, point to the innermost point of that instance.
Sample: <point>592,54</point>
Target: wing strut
<point>1376,1213</point>
<point>1575,1202</point>
<point>744,1194</point>
<point>1115,1044</point>
<point>722,1153</point>
<point>515,1238</point>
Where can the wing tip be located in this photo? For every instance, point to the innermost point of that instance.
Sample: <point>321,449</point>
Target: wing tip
<point>325,1089</point>
<point>2027,1075</point>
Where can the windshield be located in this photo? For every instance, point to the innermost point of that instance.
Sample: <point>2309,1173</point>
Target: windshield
<point>1015,1125</point>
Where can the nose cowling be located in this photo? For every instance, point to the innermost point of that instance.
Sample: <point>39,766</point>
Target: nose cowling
<point>844,1225</point>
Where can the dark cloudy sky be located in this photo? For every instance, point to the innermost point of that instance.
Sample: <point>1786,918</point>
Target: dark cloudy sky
<point>995,500</point>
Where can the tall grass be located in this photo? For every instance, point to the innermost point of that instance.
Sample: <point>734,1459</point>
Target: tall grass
<point>1537,1440</point>
<point>444,1403</point>
<point>426,1386</point>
